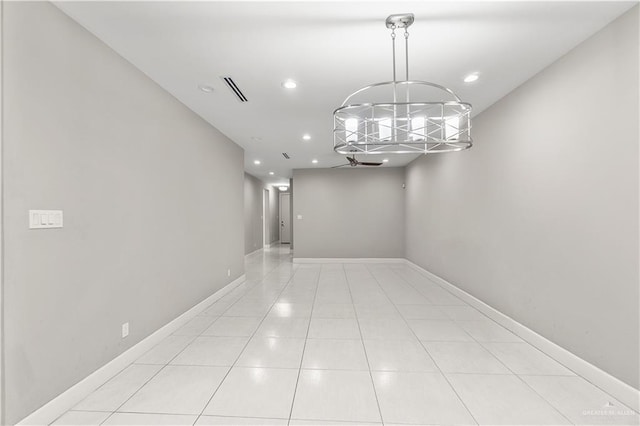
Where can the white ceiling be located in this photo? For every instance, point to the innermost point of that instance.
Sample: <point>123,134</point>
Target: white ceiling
<point>330,48</point>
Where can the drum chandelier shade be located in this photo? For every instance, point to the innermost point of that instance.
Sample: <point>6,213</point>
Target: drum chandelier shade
<point>402,117</point>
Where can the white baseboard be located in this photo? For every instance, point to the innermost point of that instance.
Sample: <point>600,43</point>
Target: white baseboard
<point>256,251</point>
<point>272,244</point>
<point>626,394</point>
<point>76,393</point>
<point>348,260</point>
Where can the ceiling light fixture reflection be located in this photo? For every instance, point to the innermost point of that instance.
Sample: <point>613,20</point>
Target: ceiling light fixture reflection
<point>258,374</point>
<point>289,84</point>
<point>314,161</point>
<point>471,77</point>
<point>283,309</point>
<point>205,88</point>
<point>386,160</point>
<point>271,173</point>
<point>256,162</point>
<point>316,376</point>
<point>400,116</point>
<point>306,137</point>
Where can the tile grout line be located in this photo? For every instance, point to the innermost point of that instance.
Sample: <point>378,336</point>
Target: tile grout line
<point>480,343</point>
<point>193,338</point>
<point>491,320</point>
<point>525,383</point>
<point>429,355</point>
<point>304,347</point>
<point>165,365</point>
<point>364,348</point>
<point>154,375</point>
<point>140,387</point>
<point>248,340</point>
<point>495,357</point>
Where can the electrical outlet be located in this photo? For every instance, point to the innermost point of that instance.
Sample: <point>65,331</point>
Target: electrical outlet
<point>125,330</point>
<point>228,272</point>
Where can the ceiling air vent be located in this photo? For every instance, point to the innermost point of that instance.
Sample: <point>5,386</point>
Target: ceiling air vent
<point>285,155</point>
<point>235,89</point>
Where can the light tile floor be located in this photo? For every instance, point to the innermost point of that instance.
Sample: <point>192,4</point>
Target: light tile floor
<point>344,344</point>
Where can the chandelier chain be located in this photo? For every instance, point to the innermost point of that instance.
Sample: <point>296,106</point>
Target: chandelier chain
<point>393,50</point>
<point>406,52</point>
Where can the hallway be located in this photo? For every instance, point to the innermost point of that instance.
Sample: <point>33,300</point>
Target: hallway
<point>321,344</point>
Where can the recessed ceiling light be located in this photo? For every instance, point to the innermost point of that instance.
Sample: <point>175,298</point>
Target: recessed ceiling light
<point>314,161</point>
<point>471,77</point>
<point>271,173</point>
<point>283,188</point>
<point>205,88</point>
<point>256,162</point>
<point>289,84</point>
<point>386,160</point>
<point>306,136</point>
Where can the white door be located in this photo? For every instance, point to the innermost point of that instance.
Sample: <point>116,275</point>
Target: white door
<point>285,218</point>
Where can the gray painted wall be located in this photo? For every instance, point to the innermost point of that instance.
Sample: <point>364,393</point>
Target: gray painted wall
<point>1,232</point>
<point>353,213</point>
<point>152,200</point>
<point>253,188</point>
<point>540,218</point>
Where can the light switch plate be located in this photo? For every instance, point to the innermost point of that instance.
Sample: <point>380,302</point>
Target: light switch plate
<point>44,219</point>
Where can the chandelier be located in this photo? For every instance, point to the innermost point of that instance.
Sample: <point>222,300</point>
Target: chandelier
<point>402,117</point>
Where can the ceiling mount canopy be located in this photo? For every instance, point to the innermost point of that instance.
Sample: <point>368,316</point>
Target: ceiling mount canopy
<point>402,117</point>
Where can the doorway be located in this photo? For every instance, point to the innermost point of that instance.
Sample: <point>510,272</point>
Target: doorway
<point>285,218</point>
